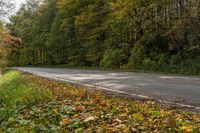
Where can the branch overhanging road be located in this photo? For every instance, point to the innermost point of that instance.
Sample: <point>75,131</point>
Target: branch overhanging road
<point>180,90</point>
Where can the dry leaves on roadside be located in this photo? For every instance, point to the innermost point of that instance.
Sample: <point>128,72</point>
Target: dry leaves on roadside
<point>78,110</point>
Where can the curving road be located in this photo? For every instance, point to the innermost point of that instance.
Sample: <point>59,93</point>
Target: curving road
<point>181,90</point>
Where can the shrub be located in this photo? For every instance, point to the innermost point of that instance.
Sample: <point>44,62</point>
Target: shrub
<point>138,54</point>
<point>190,66</point>
<point>3,60</point>
<point>162,59</point>
<point>176,59</point>
<point>149,64</point>
<point>112,59</point>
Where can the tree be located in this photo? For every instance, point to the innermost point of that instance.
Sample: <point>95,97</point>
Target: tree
<point>28,25</point>
<point>3,51</point>
<point>8,45</point>
<point>113,33</point>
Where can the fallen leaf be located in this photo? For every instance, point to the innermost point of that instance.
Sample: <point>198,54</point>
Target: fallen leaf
<point>65,122</point>
<point>79,108</point>
<point>118,120</point>
<point>103,103</point>
<point>134,130</point>
<point>89,102</point>
<point>170,122</point>
<point>187,128</point>
<point>91,118</point>
<point>121,126</point>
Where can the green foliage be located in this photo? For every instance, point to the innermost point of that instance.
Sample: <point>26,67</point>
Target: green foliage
<point>3,59</point>
<point>150,65</point>
<point>112,59</point>
<point>56,44</point>
<point>16,92</point>
<point>174,64</point>
<point>175,59</point>
<point>188,66</point>
<point>138,54</point>
<point>159,63</point>
<point>3,50</point>
<point>81,33</point>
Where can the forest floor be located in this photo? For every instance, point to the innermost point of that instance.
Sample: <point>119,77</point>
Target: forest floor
<point>34,104</point>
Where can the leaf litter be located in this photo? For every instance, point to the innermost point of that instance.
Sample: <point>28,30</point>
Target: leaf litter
<point>73,109</point>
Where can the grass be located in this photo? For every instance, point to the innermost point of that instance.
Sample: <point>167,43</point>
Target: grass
<point>33,104</point>
<point>16,92</point>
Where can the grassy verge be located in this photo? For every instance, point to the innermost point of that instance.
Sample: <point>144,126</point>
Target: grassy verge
<point>16,94</point>
<point>33,104</point>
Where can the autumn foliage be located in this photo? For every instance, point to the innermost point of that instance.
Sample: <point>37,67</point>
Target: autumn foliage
<point>152,35</point>
<point>8,45</point>
<point>9,42</point>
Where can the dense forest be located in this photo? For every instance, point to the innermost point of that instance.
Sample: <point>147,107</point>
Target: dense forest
<point>154,35</point>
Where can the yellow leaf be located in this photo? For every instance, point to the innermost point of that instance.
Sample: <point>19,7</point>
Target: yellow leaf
<point>187,128</point>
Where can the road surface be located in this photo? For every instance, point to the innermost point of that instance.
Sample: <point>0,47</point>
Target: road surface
<point>181,90</point>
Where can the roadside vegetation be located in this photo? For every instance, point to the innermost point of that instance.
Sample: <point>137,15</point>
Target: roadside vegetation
<point>33,104</point>
<point>151,35</point>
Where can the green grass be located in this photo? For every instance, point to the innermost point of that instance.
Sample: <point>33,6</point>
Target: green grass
<point>16,92</point>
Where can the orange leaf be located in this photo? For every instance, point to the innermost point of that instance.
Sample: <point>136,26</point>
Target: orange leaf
<point>65,122</point>
<point>103,103</point>
<point>89,102</point>
<point>79,108</point>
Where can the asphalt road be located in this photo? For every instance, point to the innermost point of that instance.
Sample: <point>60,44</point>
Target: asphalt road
<point>181,90</point>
